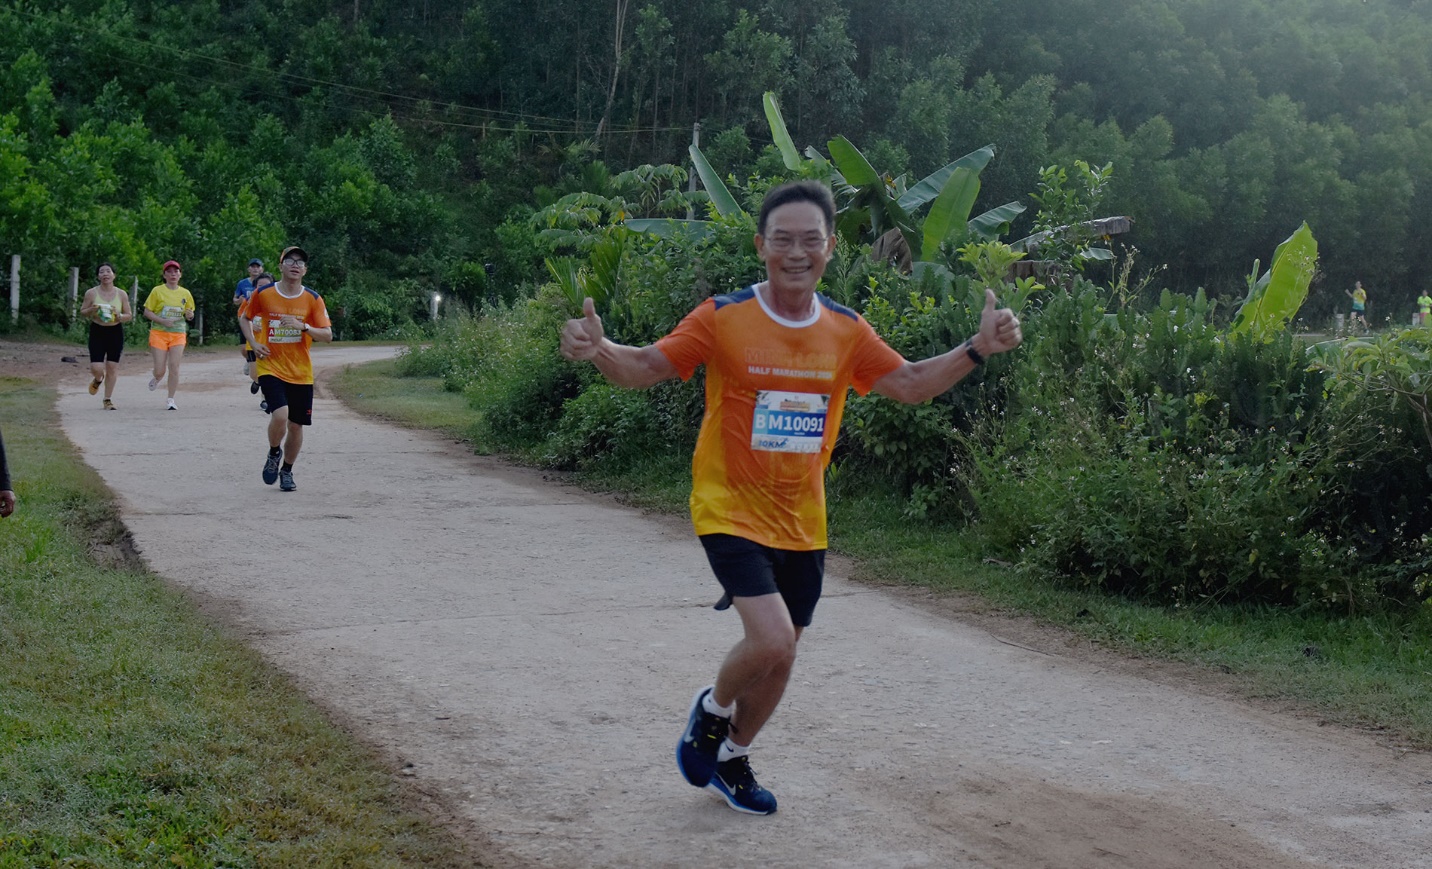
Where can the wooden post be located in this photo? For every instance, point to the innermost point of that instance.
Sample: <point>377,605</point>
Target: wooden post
<point>74,290</point>
<point>14,289</point>
<point>199,324</point>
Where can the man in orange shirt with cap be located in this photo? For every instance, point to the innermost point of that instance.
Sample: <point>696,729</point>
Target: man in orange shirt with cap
<point>293,316</point>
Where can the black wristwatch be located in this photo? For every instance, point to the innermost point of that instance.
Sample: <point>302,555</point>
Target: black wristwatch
<point>974,354</point>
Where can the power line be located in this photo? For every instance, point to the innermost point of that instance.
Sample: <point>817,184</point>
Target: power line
<point>528,123</point>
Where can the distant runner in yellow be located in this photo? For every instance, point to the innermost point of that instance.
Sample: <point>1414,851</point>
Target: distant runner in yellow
<point>169,307</point>
<point>1359,306</point>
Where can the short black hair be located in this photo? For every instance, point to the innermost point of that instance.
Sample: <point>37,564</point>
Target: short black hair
<point>102,265</point>
<point>813,192</point>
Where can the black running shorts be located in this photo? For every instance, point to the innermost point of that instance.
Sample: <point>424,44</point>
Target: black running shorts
<point>747,569</point>
<point>297,397</point>
<point>105,342</point>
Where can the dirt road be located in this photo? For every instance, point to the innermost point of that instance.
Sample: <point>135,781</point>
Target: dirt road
<point>530,651</point>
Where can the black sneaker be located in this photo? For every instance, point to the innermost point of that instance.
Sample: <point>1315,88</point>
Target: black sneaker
<point>285,481</point>
<point>253,387</point>
<point>271,468</point>
<point>735,782</point>
<point>696,752</point>
<point>263,406</point>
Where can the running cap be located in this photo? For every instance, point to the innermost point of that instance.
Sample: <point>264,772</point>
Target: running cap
<point>293,250</point>
<point>171,264</point>
<point>256,262</point>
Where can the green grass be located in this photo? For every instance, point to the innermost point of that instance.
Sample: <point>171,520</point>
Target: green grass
<point>376,389</point>
<point>136,734</point>
<point>1372,670</point>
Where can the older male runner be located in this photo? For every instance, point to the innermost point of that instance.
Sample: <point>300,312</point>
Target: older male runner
<point>779,360</point>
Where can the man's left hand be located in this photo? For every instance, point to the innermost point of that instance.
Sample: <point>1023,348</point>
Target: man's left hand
<point>999,328</point>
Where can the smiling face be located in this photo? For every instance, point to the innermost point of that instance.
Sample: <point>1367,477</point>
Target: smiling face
<point>795,247</point>
<point>106,276</point>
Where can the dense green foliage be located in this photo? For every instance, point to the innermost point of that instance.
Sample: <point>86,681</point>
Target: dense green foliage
<point>1147,450</point>
<point>403,143</point>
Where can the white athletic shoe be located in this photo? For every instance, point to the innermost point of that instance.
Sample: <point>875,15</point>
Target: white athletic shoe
<point>153,383</point>
<point>172,405</point>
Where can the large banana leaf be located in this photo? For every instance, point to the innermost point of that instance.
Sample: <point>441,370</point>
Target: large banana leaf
<point>853,166</point>
<point>1274,299</point>
<point>995,222</point>
<point>779,134</point>
<point>931,185</point>
<point>721,197</point>
<point>950,212</point>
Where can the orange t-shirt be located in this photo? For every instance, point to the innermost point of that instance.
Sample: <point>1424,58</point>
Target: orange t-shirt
<point>775,393</point>
<point>288,358</point>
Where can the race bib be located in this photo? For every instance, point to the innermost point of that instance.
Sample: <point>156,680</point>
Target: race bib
<point>278,333</point>
<point>789,422</point>
<point>172,312</point>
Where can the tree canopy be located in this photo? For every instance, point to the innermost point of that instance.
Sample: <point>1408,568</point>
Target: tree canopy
<point>394,139</point>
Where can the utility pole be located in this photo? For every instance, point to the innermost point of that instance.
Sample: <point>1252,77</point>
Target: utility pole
<point>691,179</point>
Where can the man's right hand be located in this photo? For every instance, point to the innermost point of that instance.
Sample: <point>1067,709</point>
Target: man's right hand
<point>582,336</point>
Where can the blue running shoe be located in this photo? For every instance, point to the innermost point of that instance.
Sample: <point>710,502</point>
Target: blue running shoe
<point>735,782</point>
<point>696,752</point>
<point>271,468</point>
<point>285,481</point>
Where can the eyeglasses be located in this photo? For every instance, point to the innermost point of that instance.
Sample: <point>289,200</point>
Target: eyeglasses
<point>294,262</point>
<point>783,243</point>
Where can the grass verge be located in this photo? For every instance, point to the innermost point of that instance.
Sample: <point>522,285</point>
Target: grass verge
<point>136,734</point>
<point>1372,670</point>
<point>375,389</point>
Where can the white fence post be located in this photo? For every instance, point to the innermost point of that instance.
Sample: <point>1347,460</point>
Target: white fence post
<point>134,297</point>
<point>74,290</point>
<point>14,289</point>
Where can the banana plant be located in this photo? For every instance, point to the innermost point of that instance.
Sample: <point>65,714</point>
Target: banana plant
<point>872,204</point>
<point>1274,298</point>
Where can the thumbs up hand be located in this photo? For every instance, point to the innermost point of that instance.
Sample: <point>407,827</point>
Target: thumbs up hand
<point>582,336</point>
<point>999,328</point>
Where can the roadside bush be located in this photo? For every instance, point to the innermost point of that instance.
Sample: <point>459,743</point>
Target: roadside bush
<point>605,423</point>
<point>1151,454</point>
<point>520,381</point>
